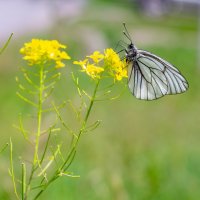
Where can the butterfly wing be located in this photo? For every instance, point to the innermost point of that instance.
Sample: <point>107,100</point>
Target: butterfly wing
<point>150,77</point>
<point>146,80</point>
<point>176,82</point>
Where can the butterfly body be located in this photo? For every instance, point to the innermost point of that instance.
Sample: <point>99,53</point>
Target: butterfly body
<point>151,77</point>
<point>131,53</point>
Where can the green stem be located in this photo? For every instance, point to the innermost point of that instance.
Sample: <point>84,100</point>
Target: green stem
<point>37,140</point>
<point>91,102</point>
<point>74,147</point>
<point>23,180</point>
<point>29,182</point>
<point>39,116</point>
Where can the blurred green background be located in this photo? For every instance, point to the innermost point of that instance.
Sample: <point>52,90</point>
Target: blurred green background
<point>142,150</point>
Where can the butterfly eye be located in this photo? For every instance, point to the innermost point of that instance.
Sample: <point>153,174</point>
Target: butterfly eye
<point>130,46</point>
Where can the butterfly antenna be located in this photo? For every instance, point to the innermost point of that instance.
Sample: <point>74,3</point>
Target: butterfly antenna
<point>121,44</point>
<point>126,33</point>
<point>120,51</point>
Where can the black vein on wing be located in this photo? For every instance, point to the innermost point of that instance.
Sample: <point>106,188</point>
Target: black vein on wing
<point>138,70</point>
<point>131,72</point>
<point>172,81</point>
<point>166,64</point>
<point>154,72</point>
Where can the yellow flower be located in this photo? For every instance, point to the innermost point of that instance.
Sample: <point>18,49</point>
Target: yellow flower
<point>109,62</point>
<point>93,71</point>
<point>110,54</point>
<point>40,52</point>
<point>96,56</point>
<point>120,73</point>
<point>90,69</point>
<point>82,63</point>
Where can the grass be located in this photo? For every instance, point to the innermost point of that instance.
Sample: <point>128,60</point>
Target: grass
<point>142,150</point>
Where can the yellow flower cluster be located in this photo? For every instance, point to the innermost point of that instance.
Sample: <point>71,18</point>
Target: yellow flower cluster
<point>116,67</point>
<point>93,70</point>
<point>97,63</point>
<point>40,52</point>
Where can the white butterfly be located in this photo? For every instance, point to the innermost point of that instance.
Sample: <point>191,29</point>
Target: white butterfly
<point>151,77</point>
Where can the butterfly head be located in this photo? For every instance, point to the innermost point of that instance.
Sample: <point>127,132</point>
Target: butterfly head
<point>131,52</point>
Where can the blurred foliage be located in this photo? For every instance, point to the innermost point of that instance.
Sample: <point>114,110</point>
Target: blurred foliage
<point>142,150</point>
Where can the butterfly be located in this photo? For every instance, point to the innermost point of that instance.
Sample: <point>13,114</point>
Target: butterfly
<point>149,76</point>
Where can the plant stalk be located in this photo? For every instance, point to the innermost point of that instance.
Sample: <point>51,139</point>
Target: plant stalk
<point>74,147</point>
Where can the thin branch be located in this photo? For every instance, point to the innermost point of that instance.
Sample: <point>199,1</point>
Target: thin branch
<point>50,85</point>
<point>86,94</point>
<point>30,81</point>
<point>47,94</point>
<point>6,44</point>
<point>92,126</point>
<point>62,121</point>
<point>69,175</point>
<point>23,131</point>
<point>72,158</point>
<point>12,169</point>
<point>62,105</point>
<point>55,76</point>
<point>21,87</point>
<point>26,100</point>
<point>76,82</point>
<point>4,147</point>
<point>50,162</point>
<point>45,149</point>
